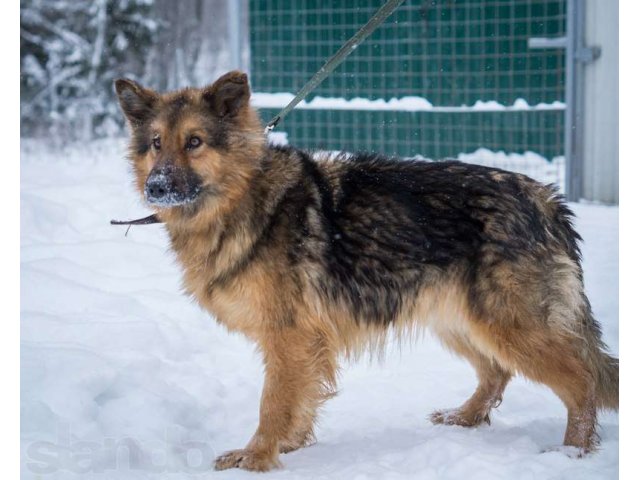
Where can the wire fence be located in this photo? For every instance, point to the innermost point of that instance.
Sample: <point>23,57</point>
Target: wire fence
<point>453,53</point>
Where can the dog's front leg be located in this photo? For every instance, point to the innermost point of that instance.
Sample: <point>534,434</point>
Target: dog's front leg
<point>288,374</point>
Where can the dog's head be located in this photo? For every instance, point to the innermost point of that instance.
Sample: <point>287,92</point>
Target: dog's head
<point>193,147</point>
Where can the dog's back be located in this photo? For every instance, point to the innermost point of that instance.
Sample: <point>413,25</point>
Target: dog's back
<point>489,259</point>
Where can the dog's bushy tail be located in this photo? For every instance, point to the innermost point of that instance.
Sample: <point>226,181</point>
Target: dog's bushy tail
<point>607,386</point>
<point>603,365</point>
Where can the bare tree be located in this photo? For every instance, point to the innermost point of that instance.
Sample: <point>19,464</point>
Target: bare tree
<point>191,48</point>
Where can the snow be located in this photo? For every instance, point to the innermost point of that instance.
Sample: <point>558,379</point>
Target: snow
<point>123,376</point>
<point>278,138</point>
<point>528,163</point>
<point>404,104</point>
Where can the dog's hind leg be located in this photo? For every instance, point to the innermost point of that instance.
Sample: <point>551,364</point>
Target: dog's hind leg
<point>542,327</point>
<point>558,361</point>
<point>492,380</point>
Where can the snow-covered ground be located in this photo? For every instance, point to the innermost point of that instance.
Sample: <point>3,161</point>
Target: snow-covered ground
<point>123,377</point>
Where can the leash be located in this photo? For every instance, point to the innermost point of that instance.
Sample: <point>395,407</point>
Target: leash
<point>380,16</point>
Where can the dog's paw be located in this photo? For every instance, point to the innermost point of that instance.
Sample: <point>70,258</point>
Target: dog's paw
<point>247,460</point>
<point>457,416</point>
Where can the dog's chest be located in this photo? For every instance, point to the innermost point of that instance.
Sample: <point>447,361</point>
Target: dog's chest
<point>244,303</point>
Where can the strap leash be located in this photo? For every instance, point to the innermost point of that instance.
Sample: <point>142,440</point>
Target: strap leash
<point>380,16</point>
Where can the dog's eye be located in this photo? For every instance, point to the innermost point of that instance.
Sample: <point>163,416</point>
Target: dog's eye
<point>194,142</point>
<point>156,142</point>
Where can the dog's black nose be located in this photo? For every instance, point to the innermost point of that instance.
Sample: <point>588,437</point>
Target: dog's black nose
<point>158,187</point>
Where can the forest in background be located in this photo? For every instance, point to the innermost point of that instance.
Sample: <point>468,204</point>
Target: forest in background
<point>71,51</point>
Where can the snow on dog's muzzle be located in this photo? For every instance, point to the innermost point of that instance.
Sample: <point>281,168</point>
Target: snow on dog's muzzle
<point>170,188</point>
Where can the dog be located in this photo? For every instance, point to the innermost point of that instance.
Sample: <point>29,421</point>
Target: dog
<point>316,257</point>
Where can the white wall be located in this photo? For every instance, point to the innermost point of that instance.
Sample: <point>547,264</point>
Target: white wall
<point>600,180</point>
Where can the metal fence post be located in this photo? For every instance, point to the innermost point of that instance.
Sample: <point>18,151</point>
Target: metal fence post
<point>577,56</point>
<point>234,27</point>
<point>572,163</point>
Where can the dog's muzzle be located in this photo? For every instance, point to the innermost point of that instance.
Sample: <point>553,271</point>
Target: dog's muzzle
<point>169,189</point>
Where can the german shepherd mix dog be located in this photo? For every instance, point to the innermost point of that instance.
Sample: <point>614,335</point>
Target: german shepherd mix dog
<point>318,257</point>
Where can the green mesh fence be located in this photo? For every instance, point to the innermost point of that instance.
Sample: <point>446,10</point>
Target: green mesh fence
<point>453,53</point>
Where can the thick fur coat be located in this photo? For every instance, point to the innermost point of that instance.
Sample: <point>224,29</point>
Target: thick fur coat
<point>317,256</point>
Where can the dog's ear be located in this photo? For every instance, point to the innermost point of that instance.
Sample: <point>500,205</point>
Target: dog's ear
<point>227,95</point>
<point>136,101</point>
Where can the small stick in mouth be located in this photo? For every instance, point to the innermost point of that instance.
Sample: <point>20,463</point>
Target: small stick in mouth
<point>140,221</point>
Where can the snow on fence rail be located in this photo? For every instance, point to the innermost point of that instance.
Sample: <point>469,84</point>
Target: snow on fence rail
<point>404,104</point>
